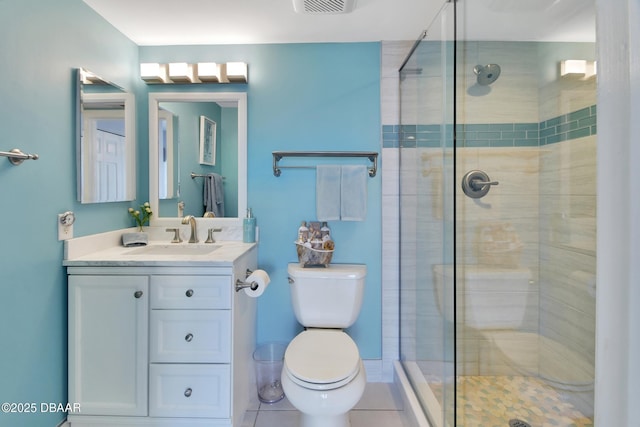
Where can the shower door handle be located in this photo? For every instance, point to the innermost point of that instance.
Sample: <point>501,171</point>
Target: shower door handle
<point>476,184</point>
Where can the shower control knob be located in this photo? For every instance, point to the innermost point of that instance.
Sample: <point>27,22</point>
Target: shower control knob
<point>476,184</point>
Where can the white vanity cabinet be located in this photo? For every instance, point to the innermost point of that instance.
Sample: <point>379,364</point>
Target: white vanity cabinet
<point>108,329</point>
<point>161,345</point>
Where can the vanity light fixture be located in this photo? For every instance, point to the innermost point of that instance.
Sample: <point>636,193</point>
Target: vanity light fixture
<point>88,78</point>
<point>578,68</point>
<point>209,72</point>
<point>202,72</point>
<point>237,72</point>
<point>152,72</point>
<point>181,72</point>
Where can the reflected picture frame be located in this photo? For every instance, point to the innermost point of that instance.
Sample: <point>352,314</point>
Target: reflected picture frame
<point>207,141</point>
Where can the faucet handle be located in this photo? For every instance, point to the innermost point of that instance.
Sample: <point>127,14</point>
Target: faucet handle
<point>210,236</point>
<point>176,235</point>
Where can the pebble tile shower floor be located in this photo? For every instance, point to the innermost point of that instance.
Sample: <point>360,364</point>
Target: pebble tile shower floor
<point>491,401</point>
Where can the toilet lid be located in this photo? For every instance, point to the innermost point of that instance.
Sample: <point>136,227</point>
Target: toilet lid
<point>322,359</point>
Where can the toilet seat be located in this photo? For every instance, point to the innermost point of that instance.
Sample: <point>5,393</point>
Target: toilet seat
<point>322,359</point>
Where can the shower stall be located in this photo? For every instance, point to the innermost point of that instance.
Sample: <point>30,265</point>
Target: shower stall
<point>497,158</point>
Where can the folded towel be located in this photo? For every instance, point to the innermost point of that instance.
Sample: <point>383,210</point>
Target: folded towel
<point>214,194</point>
<point>353,193</point>
<point>328,192</point>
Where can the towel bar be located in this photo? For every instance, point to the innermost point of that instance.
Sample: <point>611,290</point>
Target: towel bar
<point>202,175</point>
<point>16,156</point>
<point>278,155</point>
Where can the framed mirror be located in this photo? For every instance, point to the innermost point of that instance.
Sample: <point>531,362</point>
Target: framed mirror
<point>105,143</point>
<point>177,177</point>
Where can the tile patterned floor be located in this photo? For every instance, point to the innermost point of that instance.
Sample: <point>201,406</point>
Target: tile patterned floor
<point>379,407</point>
<point>491,401</point>
<point>484,402</point>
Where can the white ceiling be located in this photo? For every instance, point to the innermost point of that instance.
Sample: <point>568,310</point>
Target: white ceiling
<point>171,22</point>
<point>193,22</point>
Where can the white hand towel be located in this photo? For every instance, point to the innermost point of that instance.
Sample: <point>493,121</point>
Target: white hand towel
<point>328,192</point>
<point>353,193</point>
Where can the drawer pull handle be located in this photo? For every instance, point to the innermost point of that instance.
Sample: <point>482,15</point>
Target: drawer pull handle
<point>188,392</point>
<point>137,294</point>
<point>189,293</point>
<point>188,338</point>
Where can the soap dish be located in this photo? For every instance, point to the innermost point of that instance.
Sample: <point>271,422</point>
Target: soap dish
<point>135,239</point>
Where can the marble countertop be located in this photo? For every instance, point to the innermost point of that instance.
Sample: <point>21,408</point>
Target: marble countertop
<point>106,249</point>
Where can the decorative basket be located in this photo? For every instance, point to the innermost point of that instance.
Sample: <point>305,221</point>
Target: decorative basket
<point>309,257</point>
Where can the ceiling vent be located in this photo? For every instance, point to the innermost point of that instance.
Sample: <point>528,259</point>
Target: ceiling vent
<point>323,7</point>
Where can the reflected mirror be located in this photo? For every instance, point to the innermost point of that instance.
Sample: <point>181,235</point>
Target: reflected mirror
<point>105,147</point>
<point>179,182</point>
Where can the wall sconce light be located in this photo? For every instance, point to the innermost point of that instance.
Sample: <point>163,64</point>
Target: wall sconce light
<point>578,68</point>
<point>202,72</point>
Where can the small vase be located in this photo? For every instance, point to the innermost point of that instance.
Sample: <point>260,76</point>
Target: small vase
<point>138,238</point>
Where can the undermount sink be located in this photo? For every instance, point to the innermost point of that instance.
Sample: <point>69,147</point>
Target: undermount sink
<point>174,249</point>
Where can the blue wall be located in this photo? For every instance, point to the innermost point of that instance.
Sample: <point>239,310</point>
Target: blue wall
<point>41,43</point>
<point>304,97</point>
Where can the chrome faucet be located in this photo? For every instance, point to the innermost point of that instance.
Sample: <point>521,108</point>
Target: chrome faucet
<point>191,220</point>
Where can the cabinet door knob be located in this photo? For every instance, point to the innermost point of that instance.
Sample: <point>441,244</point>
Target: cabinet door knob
<point>188,338</point>
<point>189,293</point>
<point>188,392</point>
<point>137,294</point>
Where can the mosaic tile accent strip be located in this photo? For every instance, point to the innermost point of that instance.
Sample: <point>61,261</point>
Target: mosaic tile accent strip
<point>499,135</point>
<point>577,124</point>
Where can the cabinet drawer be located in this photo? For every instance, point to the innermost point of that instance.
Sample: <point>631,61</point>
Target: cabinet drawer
<point>189,391</point>
<point>197,336</point>
<point>191,292</point>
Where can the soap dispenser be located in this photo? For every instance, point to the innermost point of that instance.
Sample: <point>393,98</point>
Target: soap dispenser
<point>249,228</point>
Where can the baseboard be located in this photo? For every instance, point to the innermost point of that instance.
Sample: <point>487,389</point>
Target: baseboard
<point>379,370</point>
<point>373,368</point>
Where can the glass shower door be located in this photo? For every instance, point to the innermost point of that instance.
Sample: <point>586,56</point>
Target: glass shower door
<point>427,333</point>
<point>525,251</point>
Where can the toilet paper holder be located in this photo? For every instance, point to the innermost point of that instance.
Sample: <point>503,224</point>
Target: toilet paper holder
<point>240,284</point>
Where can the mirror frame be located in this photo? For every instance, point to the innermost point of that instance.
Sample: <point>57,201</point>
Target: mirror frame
<point>155,98</point>
<point>126,98</point>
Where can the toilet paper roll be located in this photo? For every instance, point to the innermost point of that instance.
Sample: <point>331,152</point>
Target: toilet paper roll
<point>262,279</point>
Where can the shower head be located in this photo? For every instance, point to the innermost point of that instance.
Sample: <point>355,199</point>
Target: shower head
<point>487,74</point>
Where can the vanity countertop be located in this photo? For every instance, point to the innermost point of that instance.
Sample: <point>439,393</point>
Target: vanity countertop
<point>105,249</point>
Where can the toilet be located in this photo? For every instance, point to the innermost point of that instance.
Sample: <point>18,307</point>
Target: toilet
<point>322,375</point>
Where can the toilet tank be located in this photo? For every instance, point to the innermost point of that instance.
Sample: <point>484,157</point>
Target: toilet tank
<point>328,297</point>
<point>487,297</point>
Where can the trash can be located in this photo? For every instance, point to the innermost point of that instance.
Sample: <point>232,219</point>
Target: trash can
<point>268,359</point>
